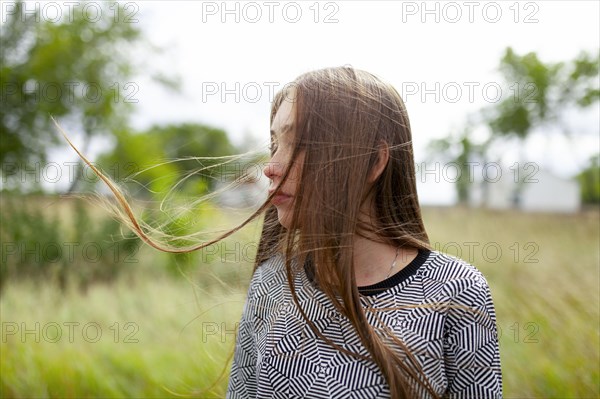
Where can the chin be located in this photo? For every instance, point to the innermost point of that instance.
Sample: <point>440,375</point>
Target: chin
<point>284,223</point>
<point>284,218</point>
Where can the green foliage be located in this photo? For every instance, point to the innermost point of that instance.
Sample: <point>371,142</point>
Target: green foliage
<point>180,227</point>
<point>583,82</point>
<point>65,249</point>
<point>146,158</point>
<point>77,69</point>
<point>589,179</point>
<point>157,340</point>
<point>175,164</point>
<point>541,91</point>
<point>531,83</point>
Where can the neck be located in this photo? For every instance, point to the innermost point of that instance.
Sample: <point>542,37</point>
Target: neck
<point>372,260</point>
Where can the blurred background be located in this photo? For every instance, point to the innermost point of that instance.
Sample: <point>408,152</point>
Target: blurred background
<point>172,100</point>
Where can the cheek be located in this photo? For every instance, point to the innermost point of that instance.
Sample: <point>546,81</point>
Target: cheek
<point>296,169</point>
<point>293,176</point>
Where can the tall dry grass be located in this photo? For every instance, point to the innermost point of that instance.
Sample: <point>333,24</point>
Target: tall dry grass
<point>164,337</point>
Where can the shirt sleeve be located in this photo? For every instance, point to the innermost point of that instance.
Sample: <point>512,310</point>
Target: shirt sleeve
<point>472,356</point>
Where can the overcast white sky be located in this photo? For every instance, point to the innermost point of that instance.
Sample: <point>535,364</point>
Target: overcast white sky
<point>435,45</point>
<point>229,69</point>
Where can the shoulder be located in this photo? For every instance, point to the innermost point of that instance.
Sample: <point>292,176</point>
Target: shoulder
<point>269,277</point>
<point>270,281</point>
<point>470,337</point>
<point>451,275</point>
<point>461,288</point>
<point>272,268</point>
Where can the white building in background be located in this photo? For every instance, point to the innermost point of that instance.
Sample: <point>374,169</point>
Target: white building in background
<point>552,194</point>
<point>540,191</point>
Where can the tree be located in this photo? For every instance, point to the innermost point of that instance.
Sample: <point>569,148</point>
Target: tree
<point>542,92</point>
<point>178,164</point>
<point>461,151</point>
<point>589,179</point>
<point>78,69</point>
<point>159,158</point>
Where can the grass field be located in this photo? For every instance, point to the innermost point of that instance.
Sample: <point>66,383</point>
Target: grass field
<point>152,336</point>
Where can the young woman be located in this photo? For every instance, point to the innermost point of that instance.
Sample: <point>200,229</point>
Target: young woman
<point>347,299</point>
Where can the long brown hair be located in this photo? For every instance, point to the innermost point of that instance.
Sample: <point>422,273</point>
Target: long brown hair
<point>342,116</point>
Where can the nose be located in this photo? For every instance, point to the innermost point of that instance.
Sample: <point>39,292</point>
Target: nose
<point>272,170</point>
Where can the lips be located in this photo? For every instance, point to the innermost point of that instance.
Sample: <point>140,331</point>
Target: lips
<point>279,198</point>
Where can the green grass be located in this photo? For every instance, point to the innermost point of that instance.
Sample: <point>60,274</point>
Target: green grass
<point>546,295</point>
<point>158,338</point>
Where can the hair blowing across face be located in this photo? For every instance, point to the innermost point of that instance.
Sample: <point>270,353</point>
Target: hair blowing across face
<point>342,117</point>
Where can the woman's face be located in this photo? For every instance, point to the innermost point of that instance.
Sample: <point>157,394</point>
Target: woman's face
<point>282,140</point>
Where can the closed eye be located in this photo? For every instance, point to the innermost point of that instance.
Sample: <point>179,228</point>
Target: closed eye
<point>273,146</point>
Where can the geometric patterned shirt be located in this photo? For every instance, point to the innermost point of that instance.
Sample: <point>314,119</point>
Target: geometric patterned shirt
<point>439,306</point>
